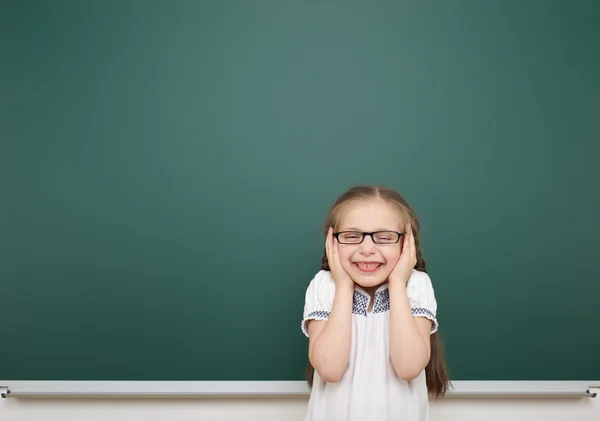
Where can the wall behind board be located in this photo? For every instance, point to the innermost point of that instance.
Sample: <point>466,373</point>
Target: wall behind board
<point>166,167</point>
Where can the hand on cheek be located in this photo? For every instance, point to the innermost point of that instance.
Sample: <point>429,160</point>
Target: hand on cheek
<point>340,276</point>
<point>408,258</point>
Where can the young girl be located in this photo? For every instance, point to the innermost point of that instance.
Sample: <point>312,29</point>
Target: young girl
<point>370,315</point>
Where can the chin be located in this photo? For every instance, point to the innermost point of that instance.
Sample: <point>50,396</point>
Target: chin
<point>370,282</point>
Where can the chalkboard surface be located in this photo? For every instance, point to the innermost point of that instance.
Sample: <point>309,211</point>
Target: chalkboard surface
<point>166,167</point>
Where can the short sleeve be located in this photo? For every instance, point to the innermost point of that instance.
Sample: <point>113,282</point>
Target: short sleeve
<point>422,298</point>
<point>318,299</point>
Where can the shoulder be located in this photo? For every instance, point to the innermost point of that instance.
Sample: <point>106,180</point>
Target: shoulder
<point>320,291</point>
<point>418,274</point>
<point>420,291</point>
<point>322,284</point>
<point>319,299</point>
<point>422,297</point>
<point>418,281</point>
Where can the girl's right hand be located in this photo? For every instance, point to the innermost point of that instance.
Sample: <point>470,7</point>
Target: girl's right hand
<point>340,276</point>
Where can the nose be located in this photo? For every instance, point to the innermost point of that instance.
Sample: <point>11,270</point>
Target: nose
<point>367,246</point>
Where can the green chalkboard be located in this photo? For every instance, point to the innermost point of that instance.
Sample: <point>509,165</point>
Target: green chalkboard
<point>166,167</point>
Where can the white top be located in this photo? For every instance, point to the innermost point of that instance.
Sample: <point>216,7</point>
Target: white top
<point>370,388</point>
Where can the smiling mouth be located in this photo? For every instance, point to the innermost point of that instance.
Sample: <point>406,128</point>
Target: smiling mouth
<point>368,267</point>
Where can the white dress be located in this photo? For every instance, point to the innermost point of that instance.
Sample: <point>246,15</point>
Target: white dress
<point>370,388</point>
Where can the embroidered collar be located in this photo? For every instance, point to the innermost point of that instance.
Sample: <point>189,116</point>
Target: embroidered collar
<point>361,300</point>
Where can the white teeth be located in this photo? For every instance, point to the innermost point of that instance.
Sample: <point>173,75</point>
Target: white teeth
<point>368,266</point>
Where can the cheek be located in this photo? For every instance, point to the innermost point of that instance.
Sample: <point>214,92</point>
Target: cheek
<point>345,254</point>
<point>392,254</point>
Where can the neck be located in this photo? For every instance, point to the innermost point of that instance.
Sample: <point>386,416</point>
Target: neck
<point>372,289</point>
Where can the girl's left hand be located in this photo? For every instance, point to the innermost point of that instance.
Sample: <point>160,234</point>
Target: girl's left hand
<point>408,258</point>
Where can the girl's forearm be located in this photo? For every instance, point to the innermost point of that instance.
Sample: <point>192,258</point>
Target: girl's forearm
<point>408,349</point>
<point>331,350</point>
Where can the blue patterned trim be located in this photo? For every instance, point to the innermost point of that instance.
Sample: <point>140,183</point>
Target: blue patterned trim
<point>359,303</point>
<point>382,301</point>
<point>314,315</point>
<point>428,314</point>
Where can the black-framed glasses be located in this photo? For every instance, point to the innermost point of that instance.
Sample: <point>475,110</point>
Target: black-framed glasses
<point>378,237</point>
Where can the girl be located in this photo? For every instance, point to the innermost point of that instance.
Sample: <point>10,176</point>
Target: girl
<point>370,315</point>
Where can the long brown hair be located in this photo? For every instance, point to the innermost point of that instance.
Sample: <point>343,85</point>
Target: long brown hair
<point>436,371</point>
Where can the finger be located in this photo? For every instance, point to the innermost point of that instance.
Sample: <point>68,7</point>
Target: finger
<point>329,243</point>
<point>334,252</point>
<point>413,247</point>
<point>405,239</point>
<point>407,245</point>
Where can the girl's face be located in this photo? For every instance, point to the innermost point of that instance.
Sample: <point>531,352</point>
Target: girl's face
<point>367,263</point>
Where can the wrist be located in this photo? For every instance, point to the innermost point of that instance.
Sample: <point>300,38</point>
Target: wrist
<point>346,288</point>
<point>398,283</point>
